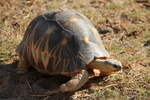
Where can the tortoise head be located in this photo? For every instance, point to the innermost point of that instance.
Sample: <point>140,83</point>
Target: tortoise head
<point>112,65</point>
<point>107,66</point>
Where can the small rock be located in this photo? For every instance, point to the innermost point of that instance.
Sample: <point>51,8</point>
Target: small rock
<point>147,43</point>
<point>106,30</point>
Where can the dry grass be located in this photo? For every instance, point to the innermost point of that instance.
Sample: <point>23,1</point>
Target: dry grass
<point>131,30</point>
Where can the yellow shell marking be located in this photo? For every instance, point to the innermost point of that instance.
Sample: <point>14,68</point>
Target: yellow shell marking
<point>50,29</point>
<point>86,40</point>
<point>35,56</point>
<point>45,60</point>
<point>72,19</point>
<point>63,42</point>
<point>94,30</point>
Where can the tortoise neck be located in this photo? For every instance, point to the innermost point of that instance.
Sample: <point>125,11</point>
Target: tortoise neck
<point>97,64</point>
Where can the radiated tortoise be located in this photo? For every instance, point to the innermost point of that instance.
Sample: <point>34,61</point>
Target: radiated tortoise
<point>64,42</point>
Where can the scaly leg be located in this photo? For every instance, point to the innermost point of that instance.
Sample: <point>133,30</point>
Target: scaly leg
<point>22,67</point>
<point>76,82</point>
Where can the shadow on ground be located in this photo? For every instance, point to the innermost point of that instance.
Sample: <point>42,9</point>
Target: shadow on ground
<point>33,85</point>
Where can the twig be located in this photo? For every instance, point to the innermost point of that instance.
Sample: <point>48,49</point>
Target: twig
<point>35,77</point>
<point>79,96</point>
<point>46,98</point>
<point>83,96</point>
<point>29,85</point>
<point>134,77</point>
<point>120,52</point>
<point>134,83</point>
<point>45,94</point>
<point>40,95</point>
<point>107,86</point>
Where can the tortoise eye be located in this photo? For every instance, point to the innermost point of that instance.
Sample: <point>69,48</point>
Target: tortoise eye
<point>115,66</point>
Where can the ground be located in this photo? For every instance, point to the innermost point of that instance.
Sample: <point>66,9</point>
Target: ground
<point>124,27</point>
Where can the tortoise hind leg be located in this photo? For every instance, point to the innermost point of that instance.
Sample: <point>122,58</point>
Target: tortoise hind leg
<point>22,67</point>
<point>76,82</point>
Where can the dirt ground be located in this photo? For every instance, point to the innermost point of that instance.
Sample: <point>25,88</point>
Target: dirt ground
<point>125,33</point>
<point>17,87</point>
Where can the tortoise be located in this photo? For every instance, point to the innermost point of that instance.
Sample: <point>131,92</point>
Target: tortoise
<point>64,42</point>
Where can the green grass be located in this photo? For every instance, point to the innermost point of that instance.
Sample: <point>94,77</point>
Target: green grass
<point>107,94</point>
<point>110,5</point>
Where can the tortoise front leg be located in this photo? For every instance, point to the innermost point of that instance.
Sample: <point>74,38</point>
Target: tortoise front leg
<point>76,82</point>
<point>22,67</point>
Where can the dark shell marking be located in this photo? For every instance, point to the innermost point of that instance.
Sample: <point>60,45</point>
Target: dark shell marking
<point>60,42</point>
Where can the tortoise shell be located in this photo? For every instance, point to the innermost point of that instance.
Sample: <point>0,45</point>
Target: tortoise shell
<point>60,42</point>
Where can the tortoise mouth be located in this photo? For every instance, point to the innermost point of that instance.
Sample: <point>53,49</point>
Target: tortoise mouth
<point>102,58</point>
